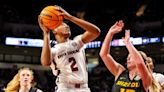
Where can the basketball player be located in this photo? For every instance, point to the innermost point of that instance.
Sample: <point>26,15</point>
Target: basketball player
<point>67,58</point>
<point>136,78</point>
<point>158,76</point>
<point>22,82</point>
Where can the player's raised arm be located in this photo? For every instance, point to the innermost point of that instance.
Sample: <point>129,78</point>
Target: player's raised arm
<point>92,31</point>
<point>46,49</point>
<point>139,61</point>
<point>110,63</point>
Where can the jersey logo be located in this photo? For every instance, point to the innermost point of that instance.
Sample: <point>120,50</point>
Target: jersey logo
<point>74,44</point>
<point>122,78</point>
<point>128,84</point>
<point>137,78</point>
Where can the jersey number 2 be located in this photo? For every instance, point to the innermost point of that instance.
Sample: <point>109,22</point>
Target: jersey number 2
<point>73,63</point>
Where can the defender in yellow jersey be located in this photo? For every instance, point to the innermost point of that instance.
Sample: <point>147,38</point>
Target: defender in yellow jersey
<point>138,78</point>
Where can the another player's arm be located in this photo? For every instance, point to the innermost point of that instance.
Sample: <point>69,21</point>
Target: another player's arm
<point>114,67</point>
<point>138,60</point>
<point>46,49</point>
<point>92,31</point>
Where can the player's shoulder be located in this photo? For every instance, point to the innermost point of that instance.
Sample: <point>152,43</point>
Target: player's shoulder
<point>158,74</point>
<point>77,37</point>
<point>38,90</point>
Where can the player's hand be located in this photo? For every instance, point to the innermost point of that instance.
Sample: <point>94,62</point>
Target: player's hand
<point>64,13</point>
<point>43,28</point>
<point>126,39</point>
<point>117,27</point>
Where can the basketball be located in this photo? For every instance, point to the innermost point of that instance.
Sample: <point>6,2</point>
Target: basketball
<point>50,17</point>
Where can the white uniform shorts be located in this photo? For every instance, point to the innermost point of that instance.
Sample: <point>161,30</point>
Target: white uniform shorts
<point>65,87</point>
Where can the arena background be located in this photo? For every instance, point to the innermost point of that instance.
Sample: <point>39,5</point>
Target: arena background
<point>18,19</point>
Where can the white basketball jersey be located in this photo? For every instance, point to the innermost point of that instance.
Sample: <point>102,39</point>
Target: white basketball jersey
<point>159,77</point>
<point>70,59</point>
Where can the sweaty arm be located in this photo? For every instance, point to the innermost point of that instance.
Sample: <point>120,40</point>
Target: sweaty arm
<point>114,67</point>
